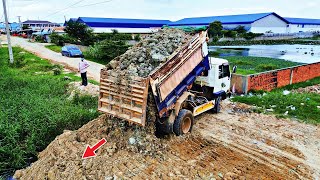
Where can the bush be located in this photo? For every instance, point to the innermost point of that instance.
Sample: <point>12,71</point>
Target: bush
<point>60,40</point>
<point>107,50</point>
<point>57,69</point>
<point>250,35</point>
<point>137,37</point>
<point>230,33</point>
<point>39,39</point>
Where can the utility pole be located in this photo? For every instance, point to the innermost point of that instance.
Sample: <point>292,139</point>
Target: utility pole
<point>19,17</point>
<point>8,31</point>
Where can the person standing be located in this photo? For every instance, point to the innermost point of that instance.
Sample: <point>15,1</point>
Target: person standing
<point>83,65</point>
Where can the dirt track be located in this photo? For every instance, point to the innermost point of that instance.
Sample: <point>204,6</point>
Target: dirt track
<point>233,144</point>
<point>40,50</point>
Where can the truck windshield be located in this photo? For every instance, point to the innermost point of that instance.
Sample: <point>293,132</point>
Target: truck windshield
<point>224,71</point>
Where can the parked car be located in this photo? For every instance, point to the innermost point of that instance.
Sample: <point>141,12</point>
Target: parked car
<point>71,51</point>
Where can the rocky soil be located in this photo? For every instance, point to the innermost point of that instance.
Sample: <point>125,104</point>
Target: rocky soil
<point>234,144</point>
<point>309,89</point>
<point>76,87</point>
<point>144,57</point>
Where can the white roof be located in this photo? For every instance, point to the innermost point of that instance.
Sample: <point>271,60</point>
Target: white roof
<point>218,61</point>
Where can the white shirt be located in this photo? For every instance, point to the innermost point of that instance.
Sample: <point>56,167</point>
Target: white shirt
<point>83,65</point>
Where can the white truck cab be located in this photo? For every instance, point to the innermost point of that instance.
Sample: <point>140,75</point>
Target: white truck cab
<point>218,77</point>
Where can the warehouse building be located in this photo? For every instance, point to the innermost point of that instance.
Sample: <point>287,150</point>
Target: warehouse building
<point>257,23</point>
<point>122,25</point>
<point>303,25</point>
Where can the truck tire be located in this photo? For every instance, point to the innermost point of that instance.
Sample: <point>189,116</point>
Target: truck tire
<point>217,107</point>
<point>183,123</point>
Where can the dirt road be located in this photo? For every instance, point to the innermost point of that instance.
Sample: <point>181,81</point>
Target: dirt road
<point>40,50</point>
<point>233,144</point>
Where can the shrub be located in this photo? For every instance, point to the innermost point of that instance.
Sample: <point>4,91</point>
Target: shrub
<point>251,35</point>
<point>39,39</point>
<point>137,37</point>
<point>57,69</point>
<point>107,50</point>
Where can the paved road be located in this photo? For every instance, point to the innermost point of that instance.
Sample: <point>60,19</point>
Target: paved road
<point>41,51</point>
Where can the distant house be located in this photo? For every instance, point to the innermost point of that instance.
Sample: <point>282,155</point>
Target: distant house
<point>303,24</point>
<point>37,24</point>
<point>257,23</point>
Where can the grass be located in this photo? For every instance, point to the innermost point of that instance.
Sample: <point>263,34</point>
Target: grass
<point>89,58</point>
<point>294,105</point>
<point>251,65</point>
<point>265,42</point>
<point>54,48</point>
<point>34,108</point>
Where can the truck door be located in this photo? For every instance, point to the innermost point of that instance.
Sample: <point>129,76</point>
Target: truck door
<point>224,77</point>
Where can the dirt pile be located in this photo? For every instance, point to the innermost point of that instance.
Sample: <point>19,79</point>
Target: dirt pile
<point>153,50</point>
<point>230,145</point>
<point>76,88</point>
<point>309,89</point>
<point>64,154</point>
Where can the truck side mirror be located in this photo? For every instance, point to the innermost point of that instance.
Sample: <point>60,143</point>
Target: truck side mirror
<point>234,69</point>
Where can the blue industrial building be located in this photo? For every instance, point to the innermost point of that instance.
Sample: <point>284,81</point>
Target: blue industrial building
<point>303,24</point>
<point>257,23</point>
<point>123,25</point>
<point>12,26</point>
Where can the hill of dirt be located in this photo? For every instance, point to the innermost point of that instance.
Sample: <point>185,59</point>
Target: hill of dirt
<point>234,144</point>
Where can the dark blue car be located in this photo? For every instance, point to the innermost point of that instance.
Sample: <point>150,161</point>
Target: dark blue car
<point>71,51</point>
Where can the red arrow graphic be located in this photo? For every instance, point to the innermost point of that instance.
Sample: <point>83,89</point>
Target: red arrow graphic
<point>90,151</point>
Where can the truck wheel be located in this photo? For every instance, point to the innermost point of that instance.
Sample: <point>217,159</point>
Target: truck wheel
<point>217,107</point>
<point>183,123</point>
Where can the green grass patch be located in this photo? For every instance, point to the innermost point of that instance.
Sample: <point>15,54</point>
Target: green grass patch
<point>54,48</point>
<point>34,108</point>
<point>294,105</point>
<point>251,65</point>
<point>265,42</point>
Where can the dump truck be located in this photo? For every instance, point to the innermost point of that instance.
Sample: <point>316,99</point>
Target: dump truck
<point>188,84</point>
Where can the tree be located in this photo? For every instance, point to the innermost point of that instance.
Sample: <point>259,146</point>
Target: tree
<point>215,29</point>
<point>240,29</point>
<point>230,33</point>
<point>80,32</point>
<point>25,26</point>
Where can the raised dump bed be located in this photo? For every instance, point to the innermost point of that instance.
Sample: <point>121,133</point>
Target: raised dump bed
<point>127,97</point>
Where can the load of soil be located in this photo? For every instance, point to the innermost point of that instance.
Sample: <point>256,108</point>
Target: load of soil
<point>148,54</point>
<point>228,145</point>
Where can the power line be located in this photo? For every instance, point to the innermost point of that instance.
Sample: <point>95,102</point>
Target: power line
<point>94,4</point>
<point>64,8</point>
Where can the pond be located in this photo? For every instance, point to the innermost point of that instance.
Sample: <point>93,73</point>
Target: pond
<point>295,53</point>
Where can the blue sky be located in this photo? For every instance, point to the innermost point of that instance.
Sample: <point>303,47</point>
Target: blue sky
<point>55,10</point>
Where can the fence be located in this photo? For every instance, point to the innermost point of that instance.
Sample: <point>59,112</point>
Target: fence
<point>275,36</point>
<point>275,79</point>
